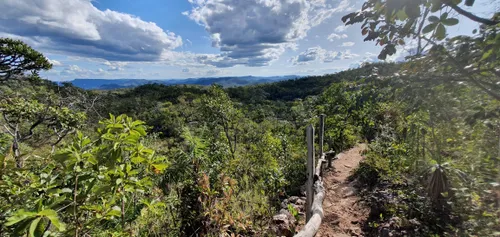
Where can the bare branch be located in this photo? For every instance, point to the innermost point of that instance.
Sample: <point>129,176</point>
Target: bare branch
<point>470,15</point>
<point>419,48</point>
<point>8,130</point>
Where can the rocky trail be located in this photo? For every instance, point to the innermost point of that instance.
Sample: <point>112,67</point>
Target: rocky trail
<point>344,214</point>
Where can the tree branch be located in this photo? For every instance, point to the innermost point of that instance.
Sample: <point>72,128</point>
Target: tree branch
<point>470,15</point>
<point>419,48</point>
<point>461,69</point>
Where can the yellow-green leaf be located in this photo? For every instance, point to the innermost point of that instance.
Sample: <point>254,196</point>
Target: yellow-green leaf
<point>19,216</point>
<point>33,227</point>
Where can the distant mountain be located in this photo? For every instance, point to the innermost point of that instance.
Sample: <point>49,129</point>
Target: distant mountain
<point>109,84</point>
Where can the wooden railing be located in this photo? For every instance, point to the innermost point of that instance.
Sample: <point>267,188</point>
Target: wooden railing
<point>315,191</point>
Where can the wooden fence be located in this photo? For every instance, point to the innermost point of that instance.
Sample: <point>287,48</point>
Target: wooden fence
<point>315,191</point>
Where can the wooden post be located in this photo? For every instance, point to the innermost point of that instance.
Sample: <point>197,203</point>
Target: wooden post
<point>310,171</point>
<point>322,137</point>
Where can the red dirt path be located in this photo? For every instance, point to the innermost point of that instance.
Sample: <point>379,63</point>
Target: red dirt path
<point>343,212</point>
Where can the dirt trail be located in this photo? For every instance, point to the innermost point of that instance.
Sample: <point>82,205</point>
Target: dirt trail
<point>343,213</point>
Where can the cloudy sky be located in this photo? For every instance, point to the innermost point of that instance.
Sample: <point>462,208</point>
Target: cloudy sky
<point>162,39</point>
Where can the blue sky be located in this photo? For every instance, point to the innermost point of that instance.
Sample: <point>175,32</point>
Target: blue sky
<point>164,39</point>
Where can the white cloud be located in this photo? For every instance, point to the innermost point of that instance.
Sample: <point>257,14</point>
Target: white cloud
<point>55,63</point>
<point>332,37</point>
<point>325,11</point>
<point>257,32</point>
<point>79,28</point>
<point>115,66</point>
<point>74,68</point>
<point>319,54</point>
<point>348,44</point>
<point>341,28</point>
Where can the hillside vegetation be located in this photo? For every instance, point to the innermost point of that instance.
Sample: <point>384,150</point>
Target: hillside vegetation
<point>187,160</point>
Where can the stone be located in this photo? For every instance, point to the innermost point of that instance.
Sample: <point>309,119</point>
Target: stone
<point>300,202</point>
<point>395,221</point>
<point>348,191</point>
<point>284,223</point>
<point>293,199</point>
<point>354,231</point>
<point>335,222</point>
<point>415,222</point>
<point>384,232</point>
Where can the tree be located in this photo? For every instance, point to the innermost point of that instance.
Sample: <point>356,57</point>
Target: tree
<point>23,117</point>
<point>93,185</point>
<point>469,59</point>
<point>16,57</point>
<point>219,112</point>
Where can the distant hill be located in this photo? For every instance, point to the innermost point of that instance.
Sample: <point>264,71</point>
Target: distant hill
<point>109,84</point>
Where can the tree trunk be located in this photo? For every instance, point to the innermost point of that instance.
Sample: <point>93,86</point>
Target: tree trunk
<point>17,153</point>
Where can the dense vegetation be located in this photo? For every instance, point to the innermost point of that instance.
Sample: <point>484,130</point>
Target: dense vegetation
<point>180,160</point>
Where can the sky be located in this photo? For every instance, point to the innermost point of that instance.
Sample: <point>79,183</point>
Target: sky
<point>170,39</point>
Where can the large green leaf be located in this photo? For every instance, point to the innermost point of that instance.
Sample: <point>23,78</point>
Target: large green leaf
<point>33,228</point>
<point>52,215</point>
<point>440,32</point>
<point>137,159</point>
<point>450,21</point>
<point>436,5</point>
<point>433,19</point>
<point>443,16</point>
<point>429,28</point>
<point>19,216</point>
<point>115,211</point>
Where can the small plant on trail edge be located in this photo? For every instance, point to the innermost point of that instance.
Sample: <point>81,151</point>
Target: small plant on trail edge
<point>293,211</point>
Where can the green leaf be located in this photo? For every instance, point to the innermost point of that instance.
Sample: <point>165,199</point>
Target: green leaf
<point>52,215</point>
<point>440,32</point>
<point>401,15</point>
<point>22,226</point>
<point>433,19</point>
<point>436,5</point>
<point>33,227</point>
<point>444,16</point>
<point>57,223</point>
<point>429,28</point>
<point>469,3</point>
<point>19,216</point>
<point>450,21</point>
<point>160,167</point>
<point>115,211</point>
<point>92,160</point>
<point>487,54</point>
<point>137,159</point>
